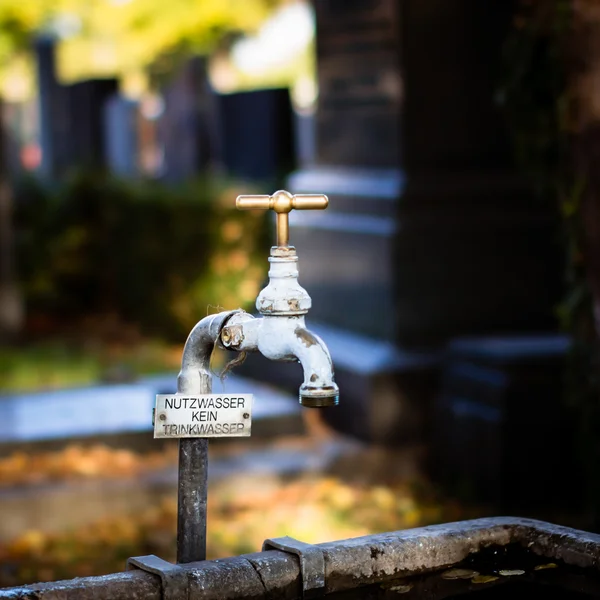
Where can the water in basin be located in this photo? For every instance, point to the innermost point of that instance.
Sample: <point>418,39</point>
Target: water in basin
<point>495,573</point>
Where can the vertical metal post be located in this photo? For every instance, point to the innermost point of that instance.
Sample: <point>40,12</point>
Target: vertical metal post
<point>191,500</point>
<point>192,493</point>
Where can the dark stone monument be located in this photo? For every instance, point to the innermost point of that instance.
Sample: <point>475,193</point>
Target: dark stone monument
<point>430,232</point>
<point>256,134</point>
<point>360,82</point>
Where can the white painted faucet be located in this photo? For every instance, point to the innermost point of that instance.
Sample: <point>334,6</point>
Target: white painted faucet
<point>281,334</point>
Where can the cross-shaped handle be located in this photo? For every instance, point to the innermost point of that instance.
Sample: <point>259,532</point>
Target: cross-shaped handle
<point>282,203</point>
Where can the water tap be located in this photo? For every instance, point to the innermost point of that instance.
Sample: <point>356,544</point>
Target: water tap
<point>281,333</point>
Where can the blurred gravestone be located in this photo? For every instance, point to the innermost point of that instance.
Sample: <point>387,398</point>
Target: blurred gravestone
<point>256,134</point>
<point>87,135</point>
<point>11,302</point>
<point>304,135</point>
<point>122,136</point>
<point>184,128</point>
<point>70,117</point>
<point>430,233</point>
<point>52,109</point>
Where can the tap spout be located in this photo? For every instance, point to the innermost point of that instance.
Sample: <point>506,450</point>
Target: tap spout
<point>287,339</point>
<point>319,388</point>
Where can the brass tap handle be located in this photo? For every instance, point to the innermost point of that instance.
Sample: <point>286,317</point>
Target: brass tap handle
<point>282,203</point>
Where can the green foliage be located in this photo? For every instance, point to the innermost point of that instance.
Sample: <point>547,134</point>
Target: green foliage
<point>18,20</point>
<point>55,364</point>
<point>121,36</point>
<point>124,36</point>
<point>153,256</point>
<point>45,366</point>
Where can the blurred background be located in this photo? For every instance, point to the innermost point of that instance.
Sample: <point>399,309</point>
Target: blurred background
<point>455,276</point>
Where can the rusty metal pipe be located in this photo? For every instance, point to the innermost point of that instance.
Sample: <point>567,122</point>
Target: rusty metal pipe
<point>195,378</point>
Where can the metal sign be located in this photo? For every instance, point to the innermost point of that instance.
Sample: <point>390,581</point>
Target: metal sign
<point>207,416</point>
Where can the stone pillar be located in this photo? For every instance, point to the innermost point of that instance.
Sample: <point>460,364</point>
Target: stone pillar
<point>430,233</point>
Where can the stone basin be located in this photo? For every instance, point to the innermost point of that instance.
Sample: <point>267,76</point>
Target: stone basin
<point>491,558</point>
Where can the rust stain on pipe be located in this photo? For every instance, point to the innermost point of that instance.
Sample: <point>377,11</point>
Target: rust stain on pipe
<point>306,337</point>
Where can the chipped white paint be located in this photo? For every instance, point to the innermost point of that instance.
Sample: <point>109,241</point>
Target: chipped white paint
<point>283,295</point>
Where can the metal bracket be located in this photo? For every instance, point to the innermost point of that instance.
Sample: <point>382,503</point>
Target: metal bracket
<point>174,579</point>
<point>312,563</point>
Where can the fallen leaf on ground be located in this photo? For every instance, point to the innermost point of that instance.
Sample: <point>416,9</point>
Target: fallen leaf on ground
<point>459,574</point>
<point>484,578</point>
